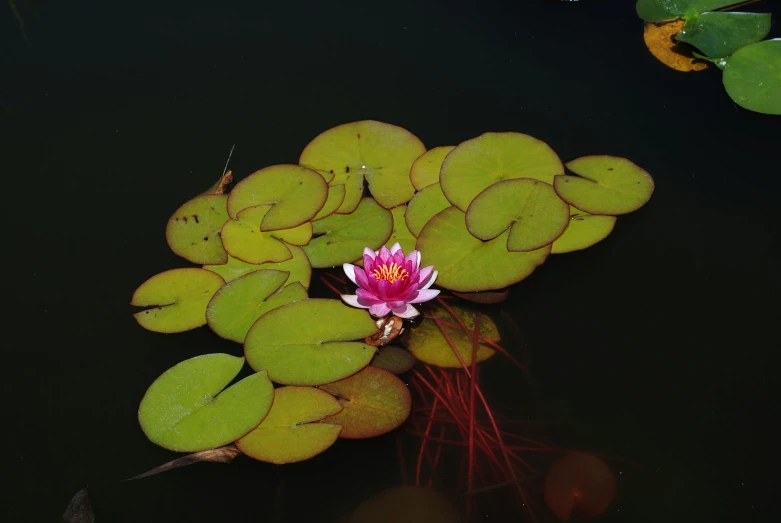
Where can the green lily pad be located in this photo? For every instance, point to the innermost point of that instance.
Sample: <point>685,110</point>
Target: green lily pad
<point>298,267</point>
<point>425,170</point>
<point>406,503</point>
<point>401,234</point>
<point>394,359</point>
<point>184,410</point>
<point>180,297</point>
<point>659,10</point>
<point>480,162</point>
<point>309,342</point>
<point>335,199</point>
<point>467,264</point>
<point>530,209</point>
<point>238,304</point>
<point>293,193</point>
<point>244,240</point>
<point>583,230</point>
<point>751,77</point>
<point>605,185</point>
<point>373,401</point>
<point>424,206</point>
<point>429,345</point>
<point>291,431</point>
<point>193,232</point>
<point>379,152</point>
<point>721,34</point>
<point>344,236</point>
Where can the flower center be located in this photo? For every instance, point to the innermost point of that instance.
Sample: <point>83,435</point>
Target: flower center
<point>392,273</point>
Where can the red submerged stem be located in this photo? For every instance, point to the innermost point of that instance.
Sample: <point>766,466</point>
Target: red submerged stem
<point>472,384</point>
<point>423,442</point>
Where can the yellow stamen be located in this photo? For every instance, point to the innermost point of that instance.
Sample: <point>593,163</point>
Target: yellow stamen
<point>392,273</point>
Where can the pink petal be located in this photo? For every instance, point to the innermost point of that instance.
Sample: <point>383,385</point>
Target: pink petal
<point>414,258</point>
<point>430,280</point>
<point>424,295</point>
<point>379,309</point>
<point>407,311</point>
<point>370,253</point>
<point>366,297</point>
<point>361,280</point>
<point>396,304</point>
<point>349,270</point>
<point>425,273</point>
<point>383,289</point>
<point>352,299</point>
<point>368,263</point>
<point>396,247</point>
<point>384,254</point>
<point>398,258</point>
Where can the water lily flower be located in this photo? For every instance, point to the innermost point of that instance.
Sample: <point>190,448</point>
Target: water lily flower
<point>390,282</point>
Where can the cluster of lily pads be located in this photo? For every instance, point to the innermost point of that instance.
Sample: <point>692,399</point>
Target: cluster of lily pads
<point>731,40</point>
<point>484,213</point>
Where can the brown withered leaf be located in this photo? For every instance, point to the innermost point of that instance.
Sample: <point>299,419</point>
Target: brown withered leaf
<point>676,55</point>
<point>79,510</point>
<point>219,187</point>
<point>221,455</point>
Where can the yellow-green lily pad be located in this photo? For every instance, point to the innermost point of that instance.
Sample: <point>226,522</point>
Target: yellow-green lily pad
<point>239,303</point>
<point>583,230</point>
<point>244,240</point>
<point>193,232</point>
<point>373,401</point>
<point>310,342</point>
<point>480,162</point>
<point>529,208</point>
<point>341,238</point>
<point>335,199</point>
<point>187,410</point>
<point>429,345</point>
<point>751,76</point>
<point>425,170</point>
<point>605,185</point>
<point>379,152</point>
<point>424,206</point>
<point>467,264</point>
<point>394,359</point>
<point>401,233</point>
<point>293,193</point>
<point>298,267</point>
<point>179,296</point>
<point>291,431</point>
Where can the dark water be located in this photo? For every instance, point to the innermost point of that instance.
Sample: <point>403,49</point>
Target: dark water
<point>658,345</point>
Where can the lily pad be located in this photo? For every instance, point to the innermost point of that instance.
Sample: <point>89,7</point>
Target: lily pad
<point>424,206</point>
<point>530,209</point>
<point>583,230</point>
<point>244,240</point>
<point>751,77</point>
<point>429,345</point>
<point>335,199</point>
<point>721,34</point>
<point>401,233</point>
<point>605,185</point>
<point>579,485</point>
<point>344,236</point>
<point>293,193</point>
<point>373,401</point>
<point>180,297</point>
<point>238,304</point>
<point>379,152</point>
<point>425,170</point>
<point>184,410</point>
<point>193,232</point>
<point>309,342</point>
<point>480,162</point>
<point>408,504</point>
<point>659,39</point>
<point>394,359</point>
<point>485,298</point>
<point>298,267</point>
<point>658,10</point>
<point>467,264</point>
<point>290,432</point>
